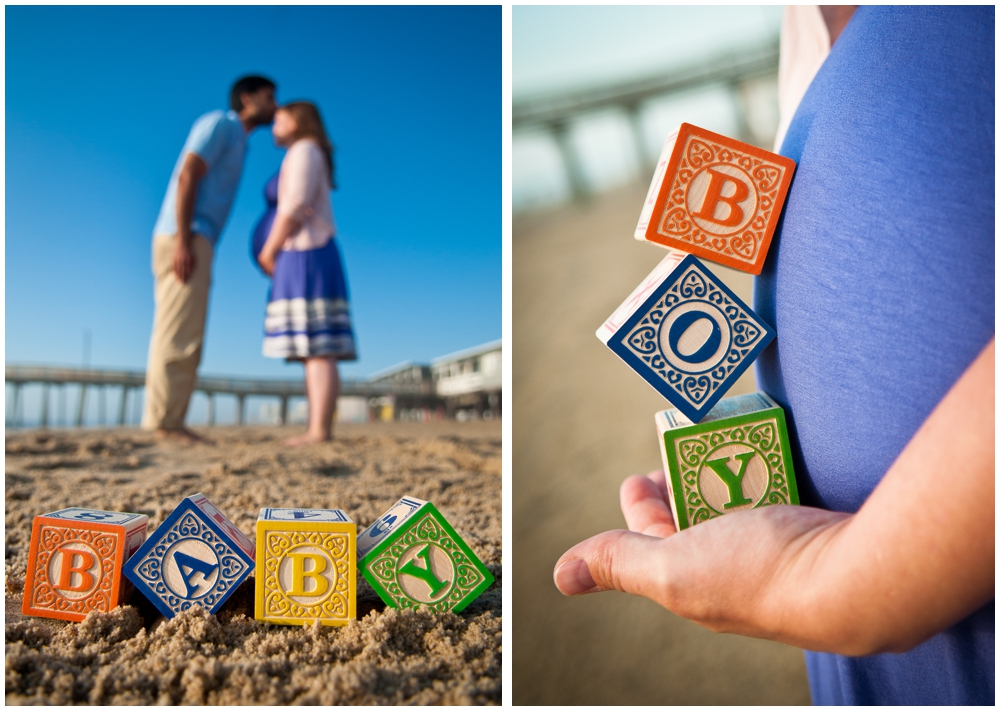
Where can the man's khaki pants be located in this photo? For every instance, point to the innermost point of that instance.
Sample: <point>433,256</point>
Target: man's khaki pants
<point>178,333</point>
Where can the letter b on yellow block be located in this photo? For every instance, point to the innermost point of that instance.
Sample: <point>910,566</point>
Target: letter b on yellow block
<point>308,566</point>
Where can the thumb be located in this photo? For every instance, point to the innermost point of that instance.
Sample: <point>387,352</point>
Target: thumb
<point>614,560</point>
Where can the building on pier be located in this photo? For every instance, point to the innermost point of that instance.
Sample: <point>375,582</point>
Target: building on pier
<point>470,382</point>
<point>411,394</point>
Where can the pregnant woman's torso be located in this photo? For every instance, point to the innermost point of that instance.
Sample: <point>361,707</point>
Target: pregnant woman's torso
<point>263,228</point>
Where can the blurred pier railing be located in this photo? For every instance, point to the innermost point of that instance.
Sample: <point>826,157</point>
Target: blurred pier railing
<point>555,112</point>
<point>18,376</point>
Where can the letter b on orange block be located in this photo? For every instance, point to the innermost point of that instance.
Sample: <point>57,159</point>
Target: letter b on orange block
<point>717,180</point>
<point>75,562</point>
<point>716,198</point>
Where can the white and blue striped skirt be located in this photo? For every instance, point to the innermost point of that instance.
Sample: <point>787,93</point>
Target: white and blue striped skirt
<point>308,313</point>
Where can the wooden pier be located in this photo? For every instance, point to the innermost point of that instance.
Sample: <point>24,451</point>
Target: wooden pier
<point>18,376</point>
<point>557,114</point>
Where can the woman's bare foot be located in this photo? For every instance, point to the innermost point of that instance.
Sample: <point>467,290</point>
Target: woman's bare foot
<point>308,438</point>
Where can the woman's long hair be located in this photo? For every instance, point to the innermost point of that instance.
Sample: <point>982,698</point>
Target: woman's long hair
<point>310,125</point>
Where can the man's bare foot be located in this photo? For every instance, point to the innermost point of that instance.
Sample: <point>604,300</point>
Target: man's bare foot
<point>307,439</point>
<point>182,435</point>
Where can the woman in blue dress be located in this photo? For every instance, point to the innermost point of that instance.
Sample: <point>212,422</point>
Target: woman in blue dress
<point>308,312</point>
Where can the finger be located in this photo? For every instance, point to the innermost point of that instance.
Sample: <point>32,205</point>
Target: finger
<point>614,560</point>
<point>660,479</point>
<point>645,506</point>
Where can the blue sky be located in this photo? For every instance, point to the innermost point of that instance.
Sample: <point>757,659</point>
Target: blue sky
<point>99,101</point>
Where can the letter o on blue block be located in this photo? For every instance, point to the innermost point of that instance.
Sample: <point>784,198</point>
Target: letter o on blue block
<point>681,325</point>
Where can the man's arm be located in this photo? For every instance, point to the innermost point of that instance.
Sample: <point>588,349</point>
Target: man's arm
<point>192,172</point>
<point>915,559</point>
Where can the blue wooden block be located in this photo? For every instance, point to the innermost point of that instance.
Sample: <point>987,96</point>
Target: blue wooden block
<point>195,557</point>
<point>686,333</point>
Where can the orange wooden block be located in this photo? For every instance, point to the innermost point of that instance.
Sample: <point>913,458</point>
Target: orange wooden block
<point>75,562</point>
<point>716,198</point>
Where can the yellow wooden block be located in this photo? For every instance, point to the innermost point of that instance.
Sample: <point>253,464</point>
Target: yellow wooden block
<point>306,567</point>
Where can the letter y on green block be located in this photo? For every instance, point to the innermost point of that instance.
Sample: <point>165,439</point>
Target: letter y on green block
<point>426,573</point>
<point>734,482</point>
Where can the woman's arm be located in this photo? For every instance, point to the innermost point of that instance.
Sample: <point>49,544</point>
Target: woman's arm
<point>915,559</point>
<point>284,227</point>
<point>295,188</point>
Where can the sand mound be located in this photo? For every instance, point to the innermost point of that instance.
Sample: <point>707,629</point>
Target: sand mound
<point>133,655</point>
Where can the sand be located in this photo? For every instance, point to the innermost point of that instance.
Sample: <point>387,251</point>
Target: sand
<point>132,655</point>
<point>583,422</point>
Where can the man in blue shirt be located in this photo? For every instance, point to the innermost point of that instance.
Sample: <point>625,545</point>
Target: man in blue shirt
<point>194,212</point>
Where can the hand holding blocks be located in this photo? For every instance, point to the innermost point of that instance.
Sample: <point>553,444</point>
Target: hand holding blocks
<point>306,567</point>
<point>737,458</point>
<point>75,561</point>
<point>412,556</point>
<point>686,333</point>
<point>196,557</point>
<point>715,197</point>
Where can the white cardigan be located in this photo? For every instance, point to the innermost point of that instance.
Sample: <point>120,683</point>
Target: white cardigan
<point>304,195</point>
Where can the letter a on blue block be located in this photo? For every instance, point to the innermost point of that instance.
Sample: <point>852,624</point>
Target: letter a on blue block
<point>686,333</point>
<point>195,557</point>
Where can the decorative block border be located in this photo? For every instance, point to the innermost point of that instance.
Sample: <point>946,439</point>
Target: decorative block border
<point>428,526</point>
<point>637,341</point>
<point>743,247</point>
<point>338,540</point>
<point>764,431</point>
<point>145,567</point>
<point>47,534</point>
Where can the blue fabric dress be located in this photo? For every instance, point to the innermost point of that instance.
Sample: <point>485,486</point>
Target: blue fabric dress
<point>308,310</point>
<point>880,285</point>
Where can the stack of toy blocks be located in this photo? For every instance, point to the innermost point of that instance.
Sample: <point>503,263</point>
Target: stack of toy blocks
<point>197,556</point>
<point>682,329</point>
<point>690,337</point>
<point>412,557</point>
<point>306,567</point>
<point>736,458</point>
<point>75,561</point>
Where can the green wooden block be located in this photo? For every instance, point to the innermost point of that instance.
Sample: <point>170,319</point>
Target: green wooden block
<point>412,556</point>
<point>736,458</point>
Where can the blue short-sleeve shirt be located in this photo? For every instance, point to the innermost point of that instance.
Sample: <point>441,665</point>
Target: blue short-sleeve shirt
<point>219,139</point>
<point>880,285</point>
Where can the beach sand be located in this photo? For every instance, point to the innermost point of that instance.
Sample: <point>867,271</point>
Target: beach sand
<point>583,422</point>
<point>132,655</point>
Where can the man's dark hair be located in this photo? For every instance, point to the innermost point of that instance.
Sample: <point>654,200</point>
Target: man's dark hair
<point>247,85</point>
